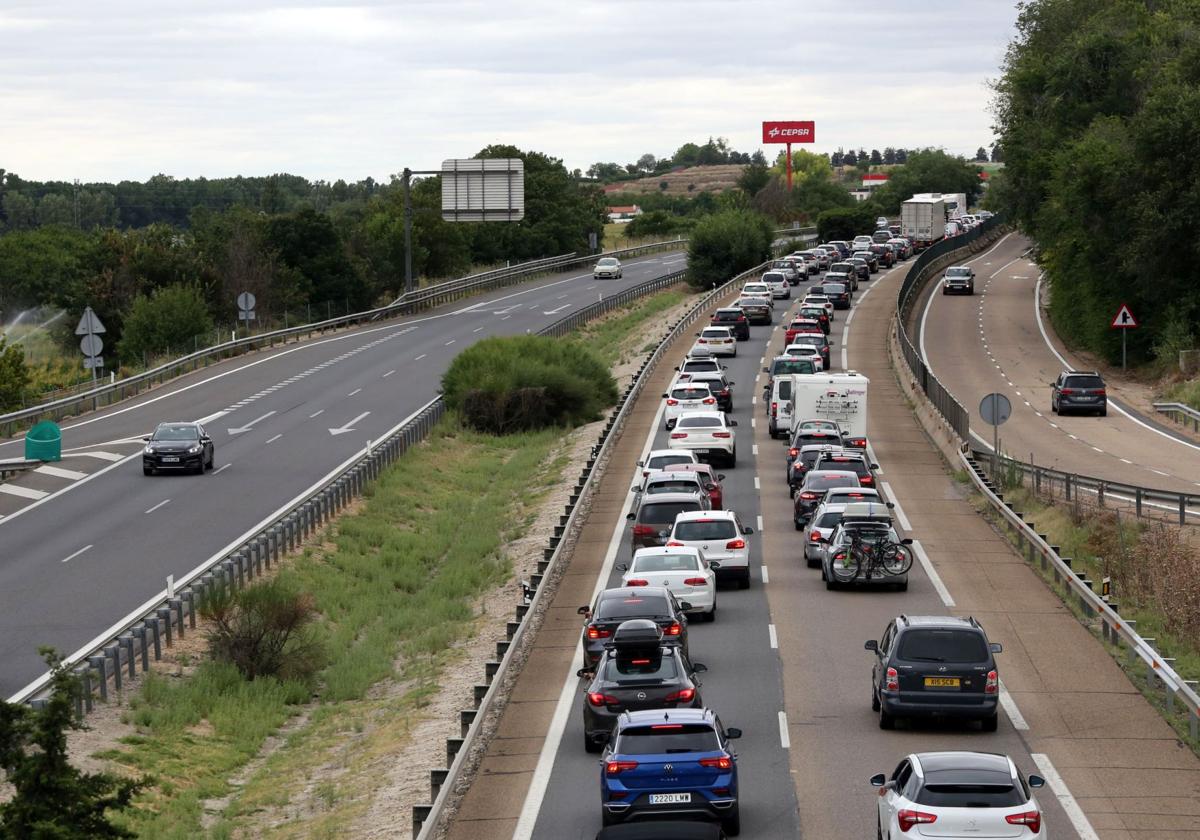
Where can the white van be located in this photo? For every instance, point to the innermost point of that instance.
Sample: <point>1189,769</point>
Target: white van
<point>781,406</point>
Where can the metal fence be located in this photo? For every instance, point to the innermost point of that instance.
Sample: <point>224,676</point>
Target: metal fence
<point>1180,413</point>
<point>921,271</point>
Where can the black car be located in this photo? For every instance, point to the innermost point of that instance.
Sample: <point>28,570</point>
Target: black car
<point>810,433</point>
<point>636,671</point>
<point>861,267</point>
<point>887,257</point>
<point>799,466</point>
<point>614,607</point>
<point>843,268</point>
<point>838,293</point>
<point>935,666</point>
<point>734,318</point>
<point>854,460</point>
<point>178,446</point>
<point>1079,390</point>
<point>871,258</point>
<point>758,310</point>
<point>812,491</point>
<point>721,388</point>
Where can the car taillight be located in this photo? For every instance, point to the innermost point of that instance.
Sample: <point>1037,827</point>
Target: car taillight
<point>813,536</point>
<point>678,435</point>
<point>857,443</point>
<point>993,683</point>
<point>674,629</point>
<point>612,768</point>
<point>642,530</point>
<point>1030,819</point>
<point>793,452</point>
<point>1067,391</point>
<point>774,409</point>
<point>866,480</point>
<point>722,762</point>
<point>738,543</point>
<point>1102,393</point>
<point>674,542</point>
<point>695,581</point>
<point>637,582</point>
<point>683,695</point>
<point>701,341</point>
<point>672,401</point>
<point>598,633</point>
<point>722,434</point>
<point>807,496</point>
<point>708,401</point>
<point>741,318</point>
<point>598,699</point>
<point>893,679</point>
<point>908,818</point>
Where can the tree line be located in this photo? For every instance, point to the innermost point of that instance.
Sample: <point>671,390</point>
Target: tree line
<point>714,152</point>
<point>1096,114</point>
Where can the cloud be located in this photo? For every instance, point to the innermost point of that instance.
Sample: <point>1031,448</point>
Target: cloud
<point>329,89</point>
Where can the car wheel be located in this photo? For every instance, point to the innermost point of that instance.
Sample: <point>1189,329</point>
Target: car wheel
<point>990,724</point>
<point>607,819</point>
<point>811,563</point>
<point>830,583</point>
<point>799,526</point>
<point>874,700</point>
<point>590,745</point>
<point>711,615</point>
<point>744,583</point>
<point>147,470</point>
<point>878,830</point>
<point>1053,407</point>
<point>732,461</point>
<point>211,459</point>
<point>733,824</point>
<point>886,721</point>
<point>1104,411</point>
<point>200,466</point>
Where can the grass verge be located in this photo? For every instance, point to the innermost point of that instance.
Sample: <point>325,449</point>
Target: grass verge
<point>610,337</point>
<point>1187,393</point>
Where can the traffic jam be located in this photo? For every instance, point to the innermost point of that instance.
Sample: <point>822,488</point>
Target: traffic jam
<point>668,761</point>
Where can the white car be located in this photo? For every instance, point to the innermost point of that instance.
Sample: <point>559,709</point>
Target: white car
<point>681,569</point>
<point>806,351</point>
<point>660,459</point>
<point>862,243</point>
<point>721,537</point>
<point>607,267</point>
<point>758,290</point>
<point>881,222</point>
<point>777,282</point>
<point>707,434</point>
<point>697,364</point>
<point>687,396</point>
<point>818,300</point>
<point>958,794</point>
<point>717,341</point>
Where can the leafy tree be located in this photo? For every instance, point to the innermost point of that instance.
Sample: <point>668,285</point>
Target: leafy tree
<point>42,266</point>
<point>20,211</point>
<point>850,158</point>
<point>687,155</point>
<point>981,155</point>
<point>14,376</point>
<point>889,155</point>
<point>307,243</point>
<point>657,223</point>
<point>758,158</point>
<point>646,163</point>
<point>930,170</point>
<point>902,156</point>
<point>754,178</point>
<point>876,157</point>
<point>997,153</point>
<point>836,158</point>
<point>167,319</point>
<point>726,243</point>
<point>53,800</point>
<point>845,222</point>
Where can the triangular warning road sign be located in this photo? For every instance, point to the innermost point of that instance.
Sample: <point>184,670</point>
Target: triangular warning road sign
<point>89,323</point>
<point>1124,319</point>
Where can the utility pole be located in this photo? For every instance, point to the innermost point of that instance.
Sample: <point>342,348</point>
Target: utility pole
<point>408,278</point>
<point>76,191</point>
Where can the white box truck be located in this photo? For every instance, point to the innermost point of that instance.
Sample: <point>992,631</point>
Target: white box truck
<point>955,204</point>
<point>841,397</point>
<point>923,220</point>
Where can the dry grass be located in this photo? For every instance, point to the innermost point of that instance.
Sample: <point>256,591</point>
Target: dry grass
<point>700,178</point>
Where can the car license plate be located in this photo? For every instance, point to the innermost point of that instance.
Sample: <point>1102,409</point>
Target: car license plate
<point>670,798</point>
<point>941,682</point>
<point>167,459</point>
<point>701,451</point>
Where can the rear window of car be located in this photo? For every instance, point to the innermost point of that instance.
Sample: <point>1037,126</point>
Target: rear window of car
<point>792,366</point>
<point>932,645</point>
<point>814,313</point>
<point>699,423</point>
<point>967,795</point>
<point>690,393</point>
<point>667,738</point>
<point>829,520</point>
<point>728,314</point>
<point>830,438</point>
<point>660,461</point>
<point>718,332</point>
<point>664,513</point>
<point>1084,382</point>
<point>785,389</point>
<point>666,563</point>
<point>808,459</point>
<point>673,485</point>
<point>773,277</point>
<point>834,289</point>
<point>716,529</point>
<point>852,464</point>
<point>641,670</point>
<point>812,339</point>
<point>824,482</point>
<point>640,605</point>
<point>699,365</point>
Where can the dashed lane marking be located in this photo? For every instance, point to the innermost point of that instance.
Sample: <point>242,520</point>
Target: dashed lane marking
<point>59,472</point>
<point>23,492</point>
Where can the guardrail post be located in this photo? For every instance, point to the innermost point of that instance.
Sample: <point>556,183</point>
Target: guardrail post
<point>126,643</point>
<point>175,605</point>
<point>189,598</point>
<point>1137,501</point>
<point>420,813</point>
<point>139,633</point>
<point>99,665</point>
<point>1100,494</point>
<point>151,624</point>
<point>113,652</point>
<point>1182,510</point>
<point>164,615</point>
<point>1067,486</point>
<point>85,683</point>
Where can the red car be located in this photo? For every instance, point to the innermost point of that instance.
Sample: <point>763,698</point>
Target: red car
<point>803,325</point>
<point>711,478</point>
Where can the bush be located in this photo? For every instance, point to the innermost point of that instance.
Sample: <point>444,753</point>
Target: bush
<point>520,383</point>
<point>845,222</point>
<point>655,223</point>
<point>265,630</point>
<point>14,376</point>
<point>726,243</point>
<point>169,319</point>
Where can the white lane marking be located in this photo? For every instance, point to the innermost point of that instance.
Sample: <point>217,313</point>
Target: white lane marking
<point>758,521</point>
<point>1010,708</point>
<point>506,317</point>
<point>754,449</point>
<point>59,472</point>
<point>757,485</point>
<point>554,311</point>
<point>1097,449</point>
<point>423,355</point>
<point>563,709</point>
<point>222,468</point>
<point>46,498</point>
<point>1160,472</point>
<point>899,511</point>
<point>250,425</point>
<point>560,297</point>
<point>355,391</point>
<point>753,422</point>
<point>773,637</point>
<point>1126,461</point>
<point>277,437</point>
<point>451,341</point>
<point>316,414</point>
<point>205,420</point>
<point>766,578</point>
<point>160,504</point>
<point>931,572</point>
<point>477,329</point>
<point>1074,813</point>
<point>103,456</point>
<point>71,557</point>
<point>389,373</point>
<point>784,740</point>
<point>24,493</point>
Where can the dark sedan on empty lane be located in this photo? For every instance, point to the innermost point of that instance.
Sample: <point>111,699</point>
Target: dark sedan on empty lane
<point>178,446</point>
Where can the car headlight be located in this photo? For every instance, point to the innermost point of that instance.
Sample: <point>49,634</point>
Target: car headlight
<point>192,450</point>
<point>149,450</point>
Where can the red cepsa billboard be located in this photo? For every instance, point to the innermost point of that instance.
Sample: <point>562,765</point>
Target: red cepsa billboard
<point>789,131</point>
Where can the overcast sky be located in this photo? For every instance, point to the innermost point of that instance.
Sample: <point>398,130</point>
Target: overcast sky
<point>104,91</point>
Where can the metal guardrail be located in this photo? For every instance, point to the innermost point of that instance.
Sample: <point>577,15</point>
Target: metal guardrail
<point>949,407</point>
<point>1180,413</point>
<point>443,782</point>
<point>1115,629</point>
<point>418,301</point>
<point>1143,500</point>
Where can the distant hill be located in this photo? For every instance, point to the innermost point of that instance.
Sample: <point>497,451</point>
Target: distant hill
<point>700,178</point>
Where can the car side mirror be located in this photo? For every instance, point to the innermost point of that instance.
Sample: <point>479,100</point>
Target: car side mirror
<point>584,610</point>
<point>631,516</point>
<point>641,463</point>
<point>996,647</point>
<point>733,733</point>
<point>665,396</point>
<point>621,567</point>
<point>664,534</point>
<point>585,673</point>
<point>731,422</point>
<point>676,367</point>
<point>874,466</point>
<point>1036,781</point>
<point>720,476</point>
<point>747,531</point>
<point>878,780</point>
<point>765,370</point>
<point>906,541</point>
<point>699,668</point>
<point>146,439</point>
<point>635,488</point>
<point>871,644</point>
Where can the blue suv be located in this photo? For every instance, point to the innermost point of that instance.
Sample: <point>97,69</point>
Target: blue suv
<point>673,763</point>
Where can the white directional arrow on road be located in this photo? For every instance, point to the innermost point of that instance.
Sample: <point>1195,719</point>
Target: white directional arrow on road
<point>556,311</point>
<point>250,425</point>
<point>348,427</point>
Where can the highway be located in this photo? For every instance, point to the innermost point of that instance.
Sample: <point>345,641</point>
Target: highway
<point>999,341</point>
<point>786,662</point>
<point>86,541</point>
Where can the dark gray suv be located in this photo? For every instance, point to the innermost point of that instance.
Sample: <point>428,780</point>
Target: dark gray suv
<point>935,666</point>
<point>1079,390</point>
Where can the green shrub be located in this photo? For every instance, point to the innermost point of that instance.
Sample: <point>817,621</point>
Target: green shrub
<point>845,222</point>
<point>14,376</point>
<point>519,383</point>
<point>725,244</point>
<point>169,319</point>
<point>265,630</point>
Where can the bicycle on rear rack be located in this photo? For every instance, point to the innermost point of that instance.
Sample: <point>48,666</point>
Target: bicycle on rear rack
<point>870,558</point>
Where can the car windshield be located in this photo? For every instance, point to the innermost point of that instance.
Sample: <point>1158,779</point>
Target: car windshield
<point>705,529</point>
<point>933,645</point>
<point>713,422</point>
<point>664,513</point>
<point>667,738</point>
<point>666,563</point>
<point>1084,382</point>
<point>642,670</point>
<point>970,795</point>
<point>173,432</point>
<point>634,605</point>
<point>673,485</point>
<point>785,366</point>
<point>958,272</point>
<point>607,262</point>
